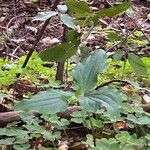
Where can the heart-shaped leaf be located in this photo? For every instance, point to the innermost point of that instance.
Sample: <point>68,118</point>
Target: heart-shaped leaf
<point>49,102</point>
<point>85,73</point>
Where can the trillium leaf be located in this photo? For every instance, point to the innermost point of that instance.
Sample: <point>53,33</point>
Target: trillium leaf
<point>106,97</point>
<point>85,73</point>
<point>49,102</point>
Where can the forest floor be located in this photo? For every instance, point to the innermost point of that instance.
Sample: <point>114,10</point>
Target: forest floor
<point>18,33</point>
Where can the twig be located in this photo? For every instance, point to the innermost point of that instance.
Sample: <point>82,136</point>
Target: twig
<point>40,33</point>
<point>129,35</point>
<point>112,81</point>
<point>138,27</point>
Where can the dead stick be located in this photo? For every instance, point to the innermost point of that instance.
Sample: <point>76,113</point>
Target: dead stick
<point>9,117</point>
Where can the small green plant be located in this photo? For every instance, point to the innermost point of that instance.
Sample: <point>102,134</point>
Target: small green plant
<point>102,106</point>
<point>34,70</point>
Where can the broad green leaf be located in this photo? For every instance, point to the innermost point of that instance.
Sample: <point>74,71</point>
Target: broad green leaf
<point>49,102</point>
<point>80,8</point>
<point>63,51</point>
<point>85,73</point>
<point>42,16</point>
<point>137,64</point>
<point>114,10</point>
<point>68,21</point>
<point>106,97</point>
<point>59,53</point>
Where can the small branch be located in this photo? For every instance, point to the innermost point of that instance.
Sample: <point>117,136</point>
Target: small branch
<point>112,81</point>
<point>138,27</point>
<point>40,33</point>
<point>12,116</point>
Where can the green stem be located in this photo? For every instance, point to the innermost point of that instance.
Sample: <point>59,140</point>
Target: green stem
<point>93,131</point>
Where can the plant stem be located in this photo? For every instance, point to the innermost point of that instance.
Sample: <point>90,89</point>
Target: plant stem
<point>112,81</point>
<point>39,35</point>
<point>93,131</point>
<point>61,65</point>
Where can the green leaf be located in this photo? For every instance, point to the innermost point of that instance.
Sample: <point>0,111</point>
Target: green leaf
<point>106,144</point>
<point>107,97</point>
<point>42,16</point>
<point>68,21</point>
<point>63,51</point>
<point>118,55</point>
<point>97,123</point>
<point>45,102</point>
<point>8,141</point>
<point>114,36</point>
<point>22,147</point>
<point>137,64</point>
<point>51,136</point>
<point>80,8</point>
<point>125,137</point>
<point>59,53</point>
<point>85,17</point>
<point>85,73</point>
<point>114,10</point>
